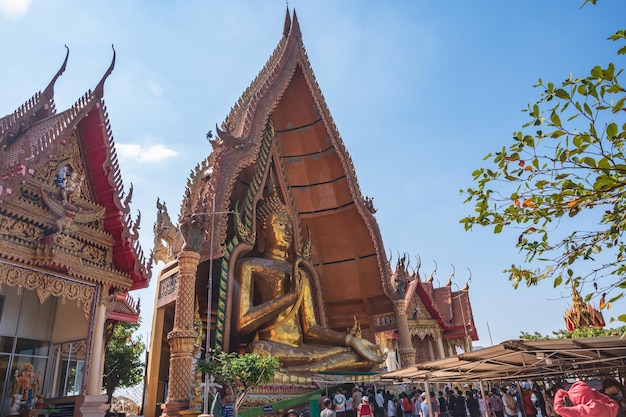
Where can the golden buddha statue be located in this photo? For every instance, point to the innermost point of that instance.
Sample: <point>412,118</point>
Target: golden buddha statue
<point>275,303</point>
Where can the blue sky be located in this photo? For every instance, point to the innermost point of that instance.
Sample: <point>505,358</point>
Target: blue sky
<point>420,91</point>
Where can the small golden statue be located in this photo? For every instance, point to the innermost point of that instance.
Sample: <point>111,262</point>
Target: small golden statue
<point>198,327</point>
<point>25,387</point>
<point>196,401</point>
<point>275,302</point>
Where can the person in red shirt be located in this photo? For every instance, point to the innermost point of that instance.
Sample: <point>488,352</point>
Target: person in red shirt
<point>527,402</point>
<point>365,409</point>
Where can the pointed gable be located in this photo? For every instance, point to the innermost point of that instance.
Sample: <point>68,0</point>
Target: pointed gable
<point>39,107</point>
<point>461,321</point>
<point>346,245</point>
<point>35,143</point>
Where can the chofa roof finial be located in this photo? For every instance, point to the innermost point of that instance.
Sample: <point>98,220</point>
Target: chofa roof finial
<point>49,90</point>
<point>287,27</point>
<point>99,90</point>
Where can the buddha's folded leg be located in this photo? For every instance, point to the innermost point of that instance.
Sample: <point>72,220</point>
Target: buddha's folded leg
<point>296,355</point>
<point>309,358</point>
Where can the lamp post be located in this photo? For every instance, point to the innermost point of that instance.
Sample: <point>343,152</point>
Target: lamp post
<point>467,341</point>
<point>209,301</point>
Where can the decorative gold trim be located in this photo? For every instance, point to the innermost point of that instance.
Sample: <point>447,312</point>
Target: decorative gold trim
<point>45,285</point>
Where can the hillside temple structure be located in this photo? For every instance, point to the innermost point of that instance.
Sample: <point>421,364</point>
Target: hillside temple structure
<point>70,253</point>
<point>274,224</point>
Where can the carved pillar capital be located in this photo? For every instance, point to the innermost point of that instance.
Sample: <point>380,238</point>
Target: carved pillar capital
<point>188,262</point>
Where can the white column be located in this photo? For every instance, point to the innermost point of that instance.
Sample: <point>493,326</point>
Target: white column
<point>442,353</point>
<point>57,365</point>
<point>431,352</point>
<point>96,363</point>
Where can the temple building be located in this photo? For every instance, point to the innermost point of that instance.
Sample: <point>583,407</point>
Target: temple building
<point>273,223</point>
<point>581,315</point>
<point>440,320</point>
<point>70,253</point>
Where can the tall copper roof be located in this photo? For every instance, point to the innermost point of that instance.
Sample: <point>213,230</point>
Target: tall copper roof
<point>347,247</point>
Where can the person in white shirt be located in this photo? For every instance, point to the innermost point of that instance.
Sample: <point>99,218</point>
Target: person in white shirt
<point>510,405</point>
<point>380,402</point>
<point>349,407</point>
<point>328,410</point>
<point>392,404</point>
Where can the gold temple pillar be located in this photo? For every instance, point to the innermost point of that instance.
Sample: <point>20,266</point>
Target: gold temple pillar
<point>405,347</point>
<point>182,336</point>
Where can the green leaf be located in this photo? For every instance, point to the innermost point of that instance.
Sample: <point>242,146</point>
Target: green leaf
<point>560,93</point>
<point>589,161</point>
<point>596,71</point>
<point>602,183</point>
<point>611,130</point>
<point>604,163</point>
<point>577,141</point>
<point>619,105</point>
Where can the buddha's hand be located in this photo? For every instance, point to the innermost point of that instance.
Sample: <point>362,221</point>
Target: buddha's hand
<point>296,282</point>
<point>368,350</point>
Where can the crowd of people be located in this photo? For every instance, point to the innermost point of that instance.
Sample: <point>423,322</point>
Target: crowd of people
<point>509,401</point>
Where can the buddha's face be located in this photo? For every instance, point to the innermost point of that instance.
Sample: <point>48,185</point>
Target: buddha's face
<point>278,231</point>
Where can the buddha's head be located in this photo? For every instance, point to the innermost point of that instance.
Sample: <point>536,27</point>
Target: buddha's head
<point>278,231</point>
<point>276,225</point>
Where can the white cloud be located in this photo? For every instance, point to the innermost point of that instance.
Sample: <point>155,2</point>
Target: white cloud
<point>156,89</point>
<point>154,153</point>
<point>14,9</point>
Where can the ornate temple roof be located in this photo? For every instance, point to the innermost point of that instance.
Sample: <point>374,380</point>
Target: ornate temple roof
<point>35,134</point>
<point>451,309</point>
<point>315,167</point>
<point>125,309</point>
<point>39,107</point>
<point>581,315</point>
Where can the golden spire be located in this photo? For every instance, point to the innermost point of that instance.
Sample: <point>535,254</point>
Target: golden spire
<point>581,315</point>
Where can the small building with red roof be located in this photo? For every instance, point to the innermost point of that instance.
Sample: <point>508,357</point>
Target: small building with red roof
<point>70,251</point>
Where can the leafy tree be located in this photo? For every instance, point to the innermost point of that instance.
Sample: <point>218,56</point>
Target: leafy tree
<point>567,165</point>
<point>575,334</point>
<point>123,360</point>
<point>533,336</point>
<point>240,372</point>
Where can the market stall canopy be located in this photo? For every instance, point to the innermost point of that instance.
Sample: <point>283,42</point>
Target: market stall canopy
<point>522,359</point>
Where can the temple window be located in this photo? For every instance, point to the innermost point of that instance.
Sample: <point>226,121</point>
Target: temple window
<point>68,363</point>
